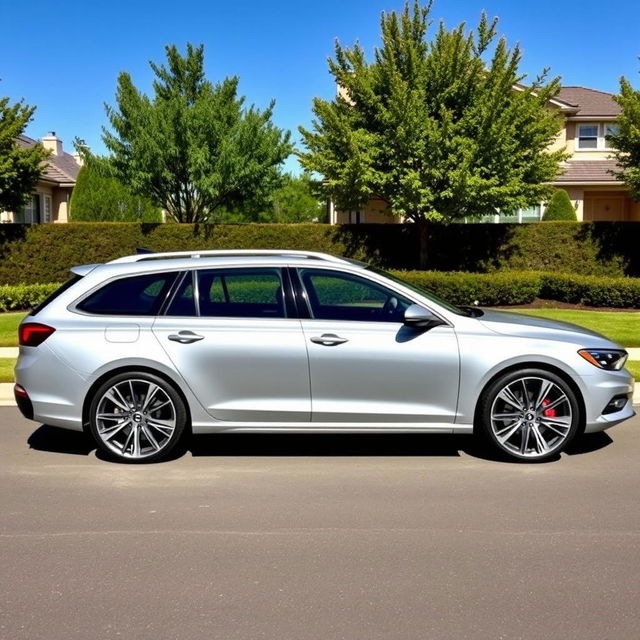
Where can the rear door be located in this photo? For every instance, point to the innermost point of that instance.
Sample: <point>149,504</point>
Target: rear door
<point>232,336</point>
<point>366,366</point>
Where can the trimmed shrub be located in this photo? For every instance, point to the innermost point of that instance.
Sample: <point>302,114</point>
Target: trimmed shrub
<point>487,289</point>
<point>44,253</point>
<point>559,207</point>
<point>592,291</point>
<point>24,296</point>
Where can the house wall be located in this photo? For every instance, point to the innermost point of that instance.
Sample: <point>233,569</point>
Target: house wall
<point>61,198</point>
<point>603,203</point>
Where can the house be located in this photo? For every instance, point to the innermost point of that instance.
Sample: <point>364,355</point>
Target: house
<point>50,199</point>
<point>589,117</point>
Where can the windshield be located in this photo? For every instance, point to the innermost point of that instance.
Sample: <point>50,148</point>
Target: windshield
<point>469,312</point>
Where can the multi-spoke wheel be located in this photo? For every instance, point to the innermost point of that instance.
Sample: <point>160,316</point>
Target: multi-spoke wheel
<point>137,417</point>
<point>530,414</point>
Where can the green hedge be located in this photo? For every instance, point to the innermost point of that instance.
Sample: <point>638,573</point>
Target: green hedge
<point>467,288</point>
<point>497,289</point>
<point>24,296</point>
<point>44,253</point>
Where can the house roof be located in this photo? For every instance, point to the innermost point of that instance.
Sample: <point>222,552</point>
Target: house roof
<point>590,102</point>
<point>61,169</point>
<point>588,171</point>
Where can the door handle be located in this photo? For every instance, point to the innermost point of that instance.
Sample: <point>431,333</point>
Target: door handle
<point>329,340</point>
<point>185,337</point>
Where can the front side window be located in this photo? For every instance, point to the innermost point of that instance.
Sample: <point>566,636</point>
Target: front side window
<point>344,296</point>
<point>133,296</point>
<point>241,293</point>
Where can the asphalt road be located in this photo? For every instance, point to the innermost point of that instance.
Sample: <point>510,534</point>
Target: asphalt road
<point>322,537</point>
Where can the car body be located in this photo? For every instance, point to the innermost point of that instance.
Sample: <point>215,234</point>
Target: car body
<point>291,341</point>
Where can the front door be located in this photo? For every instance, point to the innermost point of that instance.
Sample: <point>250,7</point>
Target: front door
<point>228,333</point>
<point>366,366</point>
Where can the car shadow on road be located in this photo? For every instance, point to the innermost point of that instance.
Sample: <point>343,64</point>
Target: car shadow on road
<point>55,440</point>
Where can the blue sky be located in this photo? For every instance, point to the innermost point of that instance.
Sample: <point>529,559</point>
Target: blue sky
<point>64,57</point>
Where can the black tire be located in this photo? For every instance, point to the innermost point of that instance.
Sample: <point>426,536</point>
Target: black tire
<point>137,417</point>
<point>529,414</point>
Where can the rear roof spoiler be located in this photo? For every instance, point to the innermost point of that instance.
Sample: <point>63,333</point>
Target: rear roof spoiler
<point>82,269</point>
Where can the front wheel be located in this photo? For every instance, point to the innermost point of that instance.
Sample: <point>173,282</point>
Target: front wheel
<point>530,414</point>
<point>137,417</point>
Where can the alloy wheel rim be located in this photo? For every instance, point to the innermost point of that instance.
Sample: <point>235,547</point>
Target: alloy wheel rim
<point>531,417</point>
<point>135,418</point>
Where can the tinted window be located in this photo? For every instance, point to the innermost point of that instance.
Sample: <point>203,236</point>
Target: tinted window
<point>343,296</point>
<point>241,293</point>
<point>136,295</point>
<point>183,303</point>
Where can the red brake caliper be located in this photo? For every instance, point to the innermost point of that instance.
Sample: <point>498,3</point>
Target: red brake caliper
<point>548,413</point>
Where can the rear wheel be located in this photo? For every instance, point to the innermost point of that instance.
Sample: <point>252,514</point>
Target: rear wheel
<point>530,414</point>
<point>137,417</point>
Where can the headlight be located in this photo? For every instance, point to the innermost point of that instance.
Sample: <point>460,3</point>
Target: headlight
<point>610,359</point>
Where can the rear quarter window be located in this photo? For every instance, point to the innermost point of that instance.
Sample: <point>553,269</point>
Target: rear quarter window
<point>135,295</point>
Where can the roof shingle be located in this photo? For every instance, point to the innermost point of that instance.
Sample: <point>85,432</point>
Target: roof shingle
<point>591,102</point>
<point>588,171</point>
<point>62,169</point>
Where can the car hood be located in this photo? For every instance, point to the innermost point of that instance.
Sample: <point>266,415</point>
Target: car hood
<point>509,323</point>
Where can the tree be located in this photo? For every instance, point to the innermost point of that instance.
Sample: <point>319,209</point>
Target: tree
<point>559,207</point>
<point>193,148</point>
<point>299,199</point>
<point>627,140</point>
<point>100,198</point>
<point>440,129</point>
<point>20,167</point>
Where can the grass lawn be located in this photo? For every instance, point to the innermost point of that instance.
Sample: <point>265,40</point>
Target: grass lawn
<point>622,327</point>
<point>9,328</point>
<point>6,369</point>
<point>633,366</point>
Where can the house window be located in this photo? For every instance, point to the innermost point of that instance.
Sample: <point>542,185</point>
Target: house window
<point>31,211</point>
<point>610,128</point>
<point>588,136</point>
<point>47,209</point>
<point>594,135</point>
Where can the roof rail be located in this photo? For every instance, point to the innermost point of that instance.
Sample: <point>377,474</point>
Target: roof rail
<point>230,253</point>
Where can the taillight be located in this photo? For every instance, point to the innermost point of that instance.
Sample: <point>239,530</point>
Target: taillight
<point>32,334</point>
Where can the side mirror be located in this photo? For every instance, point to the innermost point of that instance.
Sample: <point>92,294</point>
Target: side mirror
<point>418,317</point>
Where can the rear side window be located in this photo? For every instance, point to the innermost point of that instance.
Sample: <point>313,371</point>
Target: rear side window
<point>134,296</point>
<point>241,293</point>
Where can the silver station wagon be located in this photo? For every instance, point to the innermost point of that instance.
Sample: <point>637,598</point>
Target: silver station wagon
<point>142,350</point>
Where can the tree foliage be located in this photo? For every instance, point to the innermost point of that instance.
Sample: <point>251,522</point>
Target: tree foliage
<point>299,199</point>
<point>627,140</point>
<point>20,168</point>
<point>193,148</point>
<point>559,207</point>
<point>440,128</point>
<point>97,197</point>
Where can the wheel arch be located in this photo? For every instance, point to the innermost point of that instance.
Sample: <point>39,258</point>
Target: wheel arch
<point>125,369</point>
<point>544,366</point>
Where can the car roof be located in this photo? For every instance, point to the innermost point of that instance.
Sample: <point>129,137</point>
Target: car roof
<point>180,260</point>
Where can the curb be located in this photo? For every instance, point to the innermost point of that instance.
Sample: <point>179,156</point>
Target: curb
<point>12,352</point>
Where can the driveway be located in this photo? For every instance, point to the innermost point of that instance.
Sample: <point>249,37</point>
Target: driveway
<point>322,537</point>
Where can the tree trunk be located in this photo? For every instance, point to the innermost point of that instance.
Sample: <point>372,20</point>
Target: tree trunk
<point>423,237</point>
